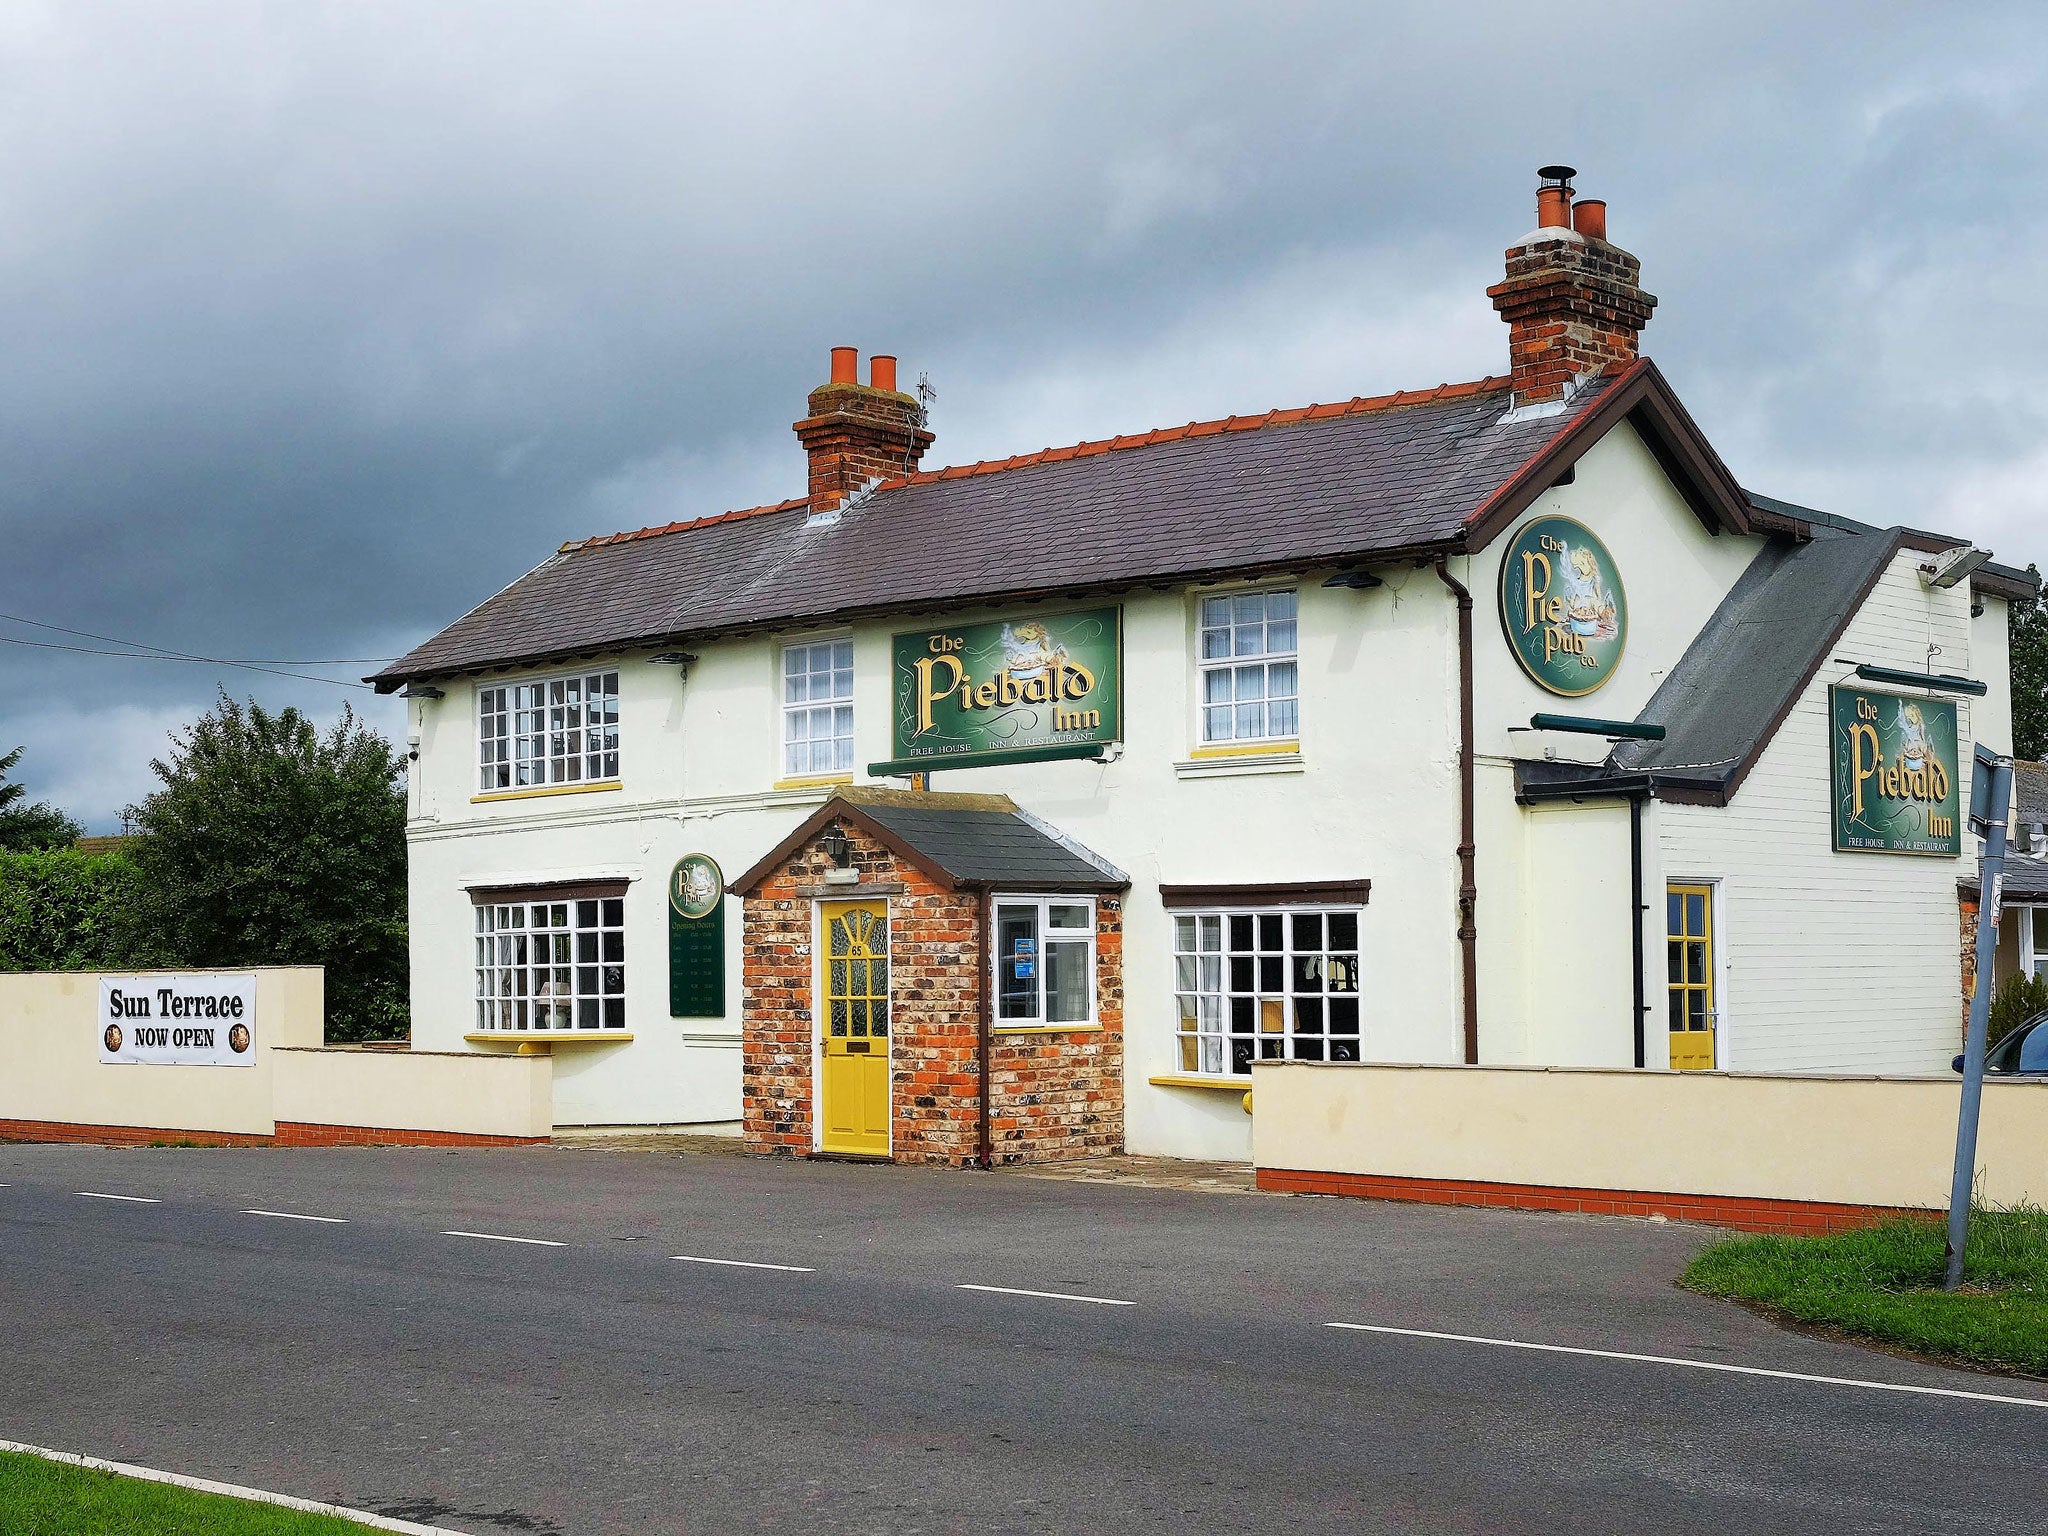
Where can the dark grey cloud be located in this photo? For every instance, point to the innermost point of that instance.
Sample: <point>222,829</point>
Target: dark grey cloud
<point>318,325</point>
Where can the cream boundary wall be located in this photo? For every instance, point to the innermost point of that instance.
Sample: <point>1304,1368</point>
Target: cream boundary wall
<point>50,1070</point>
<point>1848,1141</point>
<point>464,1094</point>
<point>1836,962</point>
<point>50,1067</point>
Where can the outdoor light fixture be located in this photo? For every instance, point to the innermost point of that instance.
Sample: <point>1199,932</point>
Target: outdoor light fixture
<point>1358,581</point>
<point>1939,682</point>
<point>422,691</point>
<point>1633,730</point>
<point>1949,569</point>
<point>682,660</point>
<point>839,849</point>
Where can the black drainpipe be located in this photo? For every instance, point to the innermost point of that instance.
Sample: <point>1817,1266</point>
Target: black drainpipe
<point>984,954</point>
<point>1468,885</point>
<point>1636,910</point>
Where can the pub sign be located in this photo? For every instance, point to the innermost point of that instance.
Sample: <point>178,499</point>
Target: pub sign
<point>696,938</point>
<point>1562,607</point>
<point>1896,784</point>
<point>971,692</point>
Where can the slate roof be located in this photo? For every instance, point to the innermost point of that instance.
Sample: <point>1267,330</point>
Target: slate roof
<point>1318,485</point>
<point>1723,700</point>
<point>1726,696</point>
<point>959,840</point>
<point>2030,792</point>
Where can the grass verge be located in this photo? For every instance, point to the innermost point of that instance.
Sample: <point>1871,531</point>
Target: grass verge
<point>1883,1283</point>
<point>49,1498</point>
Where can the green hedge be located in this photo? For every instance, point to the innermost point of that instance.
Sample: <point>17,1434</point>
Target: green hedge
<point>69,911</point>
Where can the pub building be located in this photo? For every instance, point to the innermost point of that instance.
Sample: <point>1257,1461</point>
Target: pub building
<point>1011,811</point>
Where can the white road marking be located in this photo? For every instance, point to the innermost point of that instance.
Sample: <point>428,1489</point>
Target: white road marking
<point>794,1269</point>
<point>231,1490</point>
<point>1699,1365</point>
<point>338,1221</point>
<point>93,1194</point>
<point>1005,1290</point>
<point>499,1237</point>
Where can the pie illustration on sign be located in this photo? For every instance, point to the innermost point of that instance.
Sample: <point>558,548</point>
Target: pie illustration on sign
<point>113,1039</point>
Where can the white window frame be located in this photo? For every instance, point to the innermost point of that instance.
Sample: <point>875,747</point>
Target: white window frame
<point>1083,937</point>
<point>2032,931</point>
<point>1207,994</point>
<point>810,706</point>
<point>549,962</point>
<point>1236,665</point>
<point>539,732</point>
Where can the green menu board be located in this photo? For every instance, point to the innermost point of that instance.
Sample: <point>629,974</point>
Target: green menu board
<point>696,939</point>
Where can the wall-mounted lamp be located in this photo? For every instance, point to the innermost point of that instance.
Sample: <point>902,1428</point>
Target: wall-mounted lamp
<point>1357,581</point>
<point>422,691</point>
<point>681,660</point>
<point>839,849</point>
<point>1949,568</point>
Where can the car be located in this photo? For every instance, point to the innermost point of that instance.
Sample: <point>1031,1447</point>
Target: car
<point>2023,1053</point>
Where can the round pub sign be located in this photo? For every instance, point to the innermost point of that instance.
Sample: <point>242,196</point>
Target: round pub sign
<point>1562,607</point>
<point>695,885</point>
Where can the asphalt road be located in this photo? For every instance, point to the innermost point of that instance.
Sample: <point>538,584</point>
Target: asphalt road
<point>383,1359</point>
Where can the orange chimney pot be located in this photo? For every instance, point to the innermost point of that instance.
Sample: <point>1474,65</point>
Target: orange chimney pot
<point>846,365</point>
<point>1589,217</point>
<point>882,371</point>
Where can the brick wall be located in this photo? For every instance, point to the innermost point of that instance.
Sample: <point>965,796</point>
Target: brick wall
<point>1055,1096</point>
<point>1574,307</point>
<point>1966,915</point>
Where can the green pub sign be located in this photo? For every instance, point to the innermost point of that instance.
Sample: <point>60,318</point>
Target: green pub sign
<point>1562,607</point>
<point>1896,784</point>
<point>696,939</point>
<point>1009,689</point>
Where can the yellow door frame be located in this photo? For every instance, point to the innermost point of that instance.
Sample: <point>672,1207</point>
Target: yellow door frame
<point>844,1059</point>
<point>1691,987</point>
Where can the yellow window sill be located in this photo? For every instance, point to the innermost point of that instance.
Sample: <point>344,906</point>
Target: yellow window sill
<point>822,781</point>
<point>539,1042</point>
<point>1045,1029</point>
<point>1247,749</point>
<point>545,790</point>
<point>1192,1080</point>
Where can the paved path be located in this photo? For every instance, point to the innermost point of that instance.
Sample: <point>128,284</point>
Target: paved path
<point>922,1352</point>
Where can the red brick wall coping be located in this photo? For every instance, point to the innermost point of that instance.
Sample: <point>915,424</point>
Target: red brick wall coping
<point>290,1133</point>
<point>1746,1213</point>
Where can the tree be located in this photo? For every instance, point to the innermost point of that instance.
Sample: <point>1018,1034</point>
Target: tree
<point>2027,628</point>
<point>30,828</point>
<point>271,843</point>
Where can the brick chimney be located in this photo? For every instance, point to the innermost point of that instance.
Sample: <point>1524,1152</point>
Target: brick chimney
<point>1572,301</point>
<point>857,432</point>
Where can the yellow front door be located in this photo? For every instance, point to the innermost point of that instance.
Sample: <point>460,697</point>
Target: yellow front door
<point>1689,948</point>
<point>853,1071</point>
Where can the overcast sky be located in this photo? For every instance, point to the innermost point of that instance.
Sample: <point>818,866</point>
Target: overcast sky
<point>319,324</point>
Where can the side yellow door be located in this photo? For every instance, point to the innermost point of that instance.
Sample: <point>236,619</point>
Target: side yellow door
<point>853,1085</point>
<point>1689,950</point>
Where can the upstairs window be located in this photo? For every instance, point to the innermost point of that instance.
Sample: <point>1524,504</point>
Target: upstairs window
<point>559,730</point>
<point>1250,674</point>
<point>817,709</point>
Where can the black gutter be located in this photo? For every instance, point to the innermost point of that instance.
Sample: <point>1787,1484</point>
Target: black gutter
<point>1635,885</point>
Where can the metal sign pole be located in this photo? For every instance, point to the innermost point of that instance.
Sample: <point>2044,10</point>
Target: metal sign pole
<point>1990,793</point>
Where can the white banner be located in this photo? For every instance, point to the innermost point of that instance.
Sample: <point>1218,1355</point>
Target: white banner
<point>191,1021</point>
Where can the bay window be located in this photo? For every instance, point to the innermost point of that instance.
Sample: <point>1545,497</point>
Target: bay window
<point>551,960</point>
<point>1272,984</point>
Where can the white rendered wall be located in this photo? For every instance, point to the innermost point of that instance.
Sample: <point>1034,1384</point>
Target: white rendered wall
<point>1556,979</point>
<point>1372,795</point>
<point>1834,962</point>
